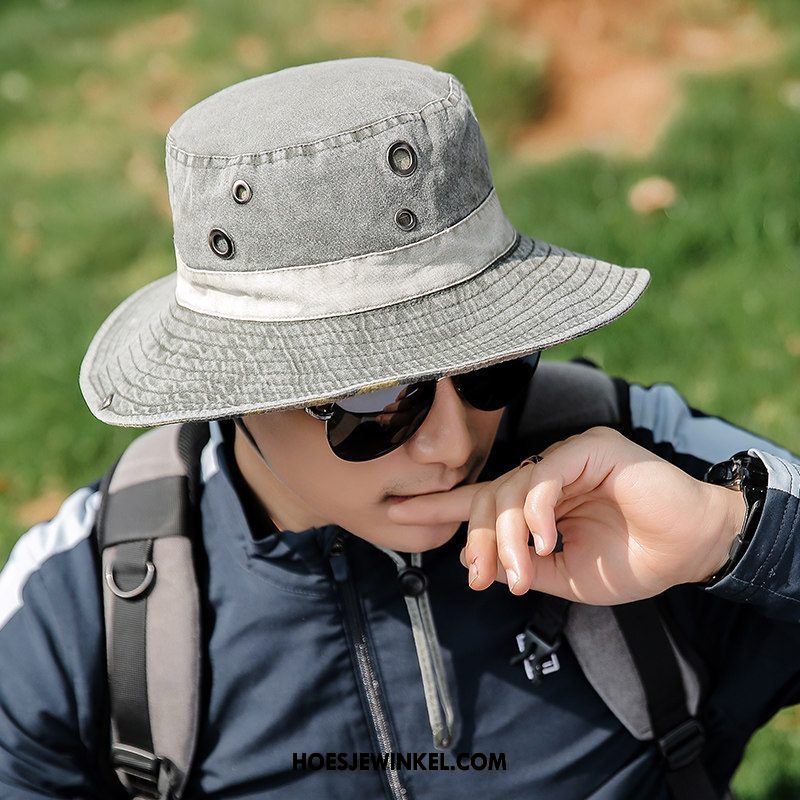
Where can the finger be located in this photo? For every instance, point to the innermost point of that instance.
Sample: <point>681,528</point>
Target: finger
<point>500,574</point>
<point>481,546</point>
<point>533,510</point>
<point>438,507</point>
<point>512,531</point>
<point>552,577</point>
<point>566,471</point>
<point>549,576</point>
<point>538,510</point>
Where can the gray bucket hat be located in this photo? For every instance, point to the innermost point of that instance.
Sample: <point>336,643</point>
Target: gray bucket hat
<point>336,231</point>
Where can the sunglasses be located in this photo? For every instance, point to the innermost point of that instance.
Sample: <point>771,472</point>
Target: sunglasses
<point>370,425</point>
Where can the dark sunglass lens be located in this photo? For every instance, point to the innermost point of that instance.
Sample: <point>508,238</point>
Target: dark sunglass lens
<point>492,388</point>
<point>374,430</point>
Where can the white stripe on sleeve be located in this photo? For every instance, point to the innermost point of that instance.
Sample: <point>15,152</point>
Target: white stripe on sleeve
<point>71,525</point>
<point>663,411</point>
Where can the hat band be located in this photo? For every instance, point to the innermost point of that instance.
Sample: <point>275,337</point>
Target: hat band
<point>350,285</point>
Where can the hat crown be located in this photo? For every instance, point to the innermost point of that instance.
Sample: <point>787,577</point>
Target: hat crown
<point>303,104</point>
<point>312,142</point>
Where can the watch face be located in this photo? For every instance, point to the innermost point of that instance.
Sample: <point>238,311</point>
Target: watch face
<point>742,470</point>
<point>749,475</point>
<point>722,473</point>
<point>754,474</point>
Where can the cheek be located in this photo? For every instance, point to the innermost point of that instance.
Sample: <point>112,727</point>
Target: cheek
<point>351,490</point>
<point>324,481</point>
<point>354,493</point>
<point>489,422</point>
<point>297,450</point>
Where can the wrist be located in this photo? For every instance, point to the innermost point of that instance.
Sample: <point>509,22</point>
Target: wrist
<point>725,513</point>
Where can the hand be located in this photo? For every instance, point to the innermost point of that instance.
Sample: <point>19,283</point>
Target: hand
<point>632,524</point>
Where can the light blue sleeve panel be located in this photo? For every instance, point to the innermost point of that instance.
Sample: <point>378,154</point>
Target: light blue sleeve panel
<point>767,576</point>
<point>52,654</point>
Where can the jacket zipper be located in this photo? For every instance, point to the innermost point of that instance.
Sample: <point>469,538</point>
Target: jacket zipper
<point>366,671</point>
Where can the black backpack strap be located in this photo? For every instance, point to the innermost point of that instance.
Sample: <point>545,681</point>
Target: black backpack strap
<point>680,736</point>
<point>145,531</point>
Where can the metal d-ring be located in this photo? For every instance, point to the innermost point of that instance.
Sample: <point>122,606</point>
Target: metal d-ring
<point>140,589</point>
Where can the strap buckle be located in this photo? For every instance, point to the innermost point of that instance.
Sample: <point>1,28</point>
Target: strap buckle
<point>683,744</point>
<point>536,651</point>
<point>143,769</point>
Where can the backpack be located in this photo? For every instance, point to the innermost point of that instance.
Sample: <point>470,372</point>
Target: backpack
<point>145,528</point>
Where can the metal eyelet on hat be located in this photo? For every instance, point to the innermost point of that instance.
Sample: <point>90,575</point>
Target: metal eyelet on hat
<point>220,243</point>
<point>402,158</point>
<point>406,219</point>
<point>241,191</point>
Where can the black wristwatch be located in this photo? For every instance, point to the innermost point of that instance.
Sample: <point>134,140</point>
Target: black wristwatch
<point>747,474</point>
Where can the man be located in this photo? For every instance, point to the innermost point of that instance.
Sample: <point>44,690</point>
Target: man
<point>360,322</point>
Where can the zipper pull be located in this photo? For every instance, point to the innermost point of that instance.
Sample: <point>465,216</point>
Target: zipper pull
<point>338,560</point>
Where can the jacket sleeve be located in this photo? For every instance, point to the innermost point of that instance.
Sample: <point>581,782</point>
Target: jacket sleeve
<point>745,629</point>
<point>767,576</point>
<point>52,660</point>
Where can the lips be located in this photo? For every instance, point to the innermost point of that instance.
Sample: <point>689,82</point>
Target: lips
<point>398,498</point>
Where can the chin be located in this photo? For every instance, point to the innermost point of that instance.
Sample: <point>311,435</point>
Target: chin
<point>419,538</point>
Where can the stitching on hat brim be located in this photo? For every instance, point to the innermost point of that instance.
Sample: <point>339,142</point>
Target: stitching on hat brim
<point>122,381</point>
<point>318,145</point>
<point>167,417</point>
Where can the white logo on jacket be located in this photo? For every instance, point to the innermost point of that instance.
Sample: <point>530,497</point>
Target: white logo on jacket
<point>551,665</point>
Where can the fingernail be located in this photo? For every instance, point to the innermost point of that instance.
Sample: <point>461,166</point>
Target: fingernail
<point>512,578</point>
<point>473,572</point>
<point>538,543</point>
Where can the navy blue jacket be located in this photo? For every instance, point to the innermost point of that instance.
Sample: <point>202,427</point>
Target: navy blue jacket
<point>280,676</point>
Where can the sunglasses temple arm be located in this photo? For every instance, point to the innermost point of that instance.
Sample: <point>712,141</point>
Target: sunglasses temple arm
<point>240,424</point>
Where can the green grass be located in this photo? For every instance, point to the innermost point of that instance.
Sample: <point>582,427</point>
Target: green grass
<point>772,767</point>
<point>725,259</point>
<point>504,87</point>
<point>88,90</point>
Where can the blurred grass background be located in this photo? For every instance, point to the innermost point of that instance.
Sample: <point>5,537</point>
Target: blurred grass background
<point>89,89</point>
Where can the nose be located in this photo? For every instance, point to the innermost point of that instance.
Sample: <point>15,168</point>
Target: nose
<point>445,434</point>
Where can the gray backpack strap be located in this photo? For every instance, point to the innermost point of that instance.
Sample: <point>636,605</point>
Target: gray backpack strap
<point>567,396</point>
<point>634,664</point>
<point>595,636</point>
<point>145,528</point>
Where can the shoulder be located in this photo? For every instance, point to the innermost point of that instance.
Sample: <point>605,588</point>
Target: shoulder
<point>569,394</point>
<point>59,550</point>
<point>52,646</point>
<point>565,398</point>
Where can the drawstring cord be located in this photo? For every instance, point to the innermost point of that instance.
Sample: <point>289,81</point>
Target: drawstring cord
<point>429,657</point>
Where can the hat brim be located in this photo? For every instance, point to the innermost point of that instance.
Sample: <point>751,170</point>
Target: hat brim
<point>153,362</point>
